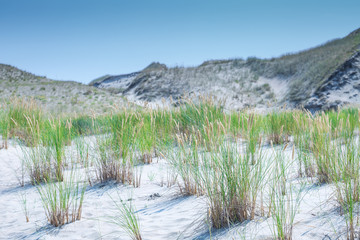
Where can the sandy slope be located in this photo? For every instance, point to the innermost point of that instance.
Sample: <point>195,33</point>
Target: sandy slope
<point>165,215</point>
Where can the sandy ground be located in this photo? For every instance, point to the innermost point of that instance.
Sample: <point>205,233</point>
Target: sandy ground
<point>163,212</point>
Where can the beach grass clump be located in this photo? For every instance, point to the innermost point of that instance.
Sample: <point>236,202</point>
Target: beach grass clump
<point>108,166</point>
<point>205,119</point>
<point>43,159</point>
<point>284,209</point>
<point>350,116</point>
<point>186,163</point>
<point>303,144</point>
<point>304,155</point>
<point>62,200</point>
<point>4,127</point>
<point>57,135</point>
<point>24,205</point>
<point>302,122</point>
<point>127,219</point>
<point>347,183</point>
<point>84,125</point>
<point>253,131</point>
<point>197,113</point>
<point>214,134</point>
<point>165,130</point>
<point>146,138</point>
<point>285,196</point>
<point>279,126</point>
<point>17,112</point>
<point>123,130</point>
<point>238,122</point>
<point>37,158</point>
<point>323,149</point>
<point>37,161</point>
<point>164,126</point>
<point>84,156</point>
<point>232,185</point>
<point>116,150</point>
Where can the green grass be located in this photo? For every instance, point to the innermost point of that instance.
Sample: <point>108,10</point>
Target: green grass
<point>279,126</point>
<point>62,201</point>
<point>285,196</point>
<point>215,154</point>
<point>185,160</point>
<point>4,128</point>
<point>15,119</point>
<point>126,219</point>
<point>57,136</point>
<point>232,185</point>
<point>347,183</point>
<point>44,149</point>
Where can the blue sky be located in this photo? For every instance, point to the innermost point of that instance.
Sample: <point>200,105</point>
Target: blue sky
<point>84,39</point>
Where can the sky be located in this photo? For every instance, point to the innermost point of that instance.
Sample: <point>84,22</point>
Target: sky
<point>81,40</point>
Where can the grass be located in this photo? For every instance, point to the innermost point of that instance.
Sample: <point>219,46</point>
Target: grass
<point>15,116</point>
<point>116,150</point>
<point>185,161</point>
<point>24,205</point>
<point>279,126</point>
<point>284,208</point>
<point>4,128</point>
<point>228,178</point>
<point>212,153</point>
<point>108,166</point>
<point>127,218</point>
<point>252,136</point>
<point>43,159</point>
<point>205,119</point>
<point>347,184</point>
<point>232,185</point>
<point>62,201</point>
<point>83,148</point>
<point>285,196</point>
<point>57,136</point>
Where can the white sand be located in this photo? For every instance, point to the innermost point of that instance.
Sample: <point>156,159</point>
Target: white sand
<point>170,216</point>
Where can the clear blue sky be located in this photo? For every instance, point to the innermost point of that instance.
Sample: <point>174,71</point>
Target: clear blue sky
<point>84,39</point>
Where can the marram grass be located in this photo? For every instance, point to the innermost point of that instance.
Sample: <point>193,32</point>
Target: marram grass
<point>213,153</point>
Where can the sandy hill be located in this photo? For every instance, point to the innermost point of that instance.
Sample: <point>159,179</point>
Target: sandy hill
<point>55,96</point>
<point>322,77</point>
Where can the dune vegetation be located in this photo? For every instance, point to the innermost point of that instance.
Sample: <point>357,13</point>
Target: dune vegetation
<point>219,155</point>
<point>310,68</point>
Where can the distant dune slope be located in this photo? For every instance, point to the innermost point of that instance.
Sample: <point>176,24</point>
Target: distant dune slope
<point>292,79</point>
<point>55,96</point>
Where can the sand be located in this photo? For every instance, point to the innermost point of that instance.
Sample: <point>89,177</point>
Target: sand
<point>163,212</point>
